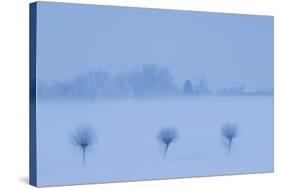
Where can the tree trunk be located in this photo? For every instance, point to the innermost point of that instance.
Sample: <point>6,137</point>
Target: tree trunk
<point>84,155</point>
<point>229,145</point>
<point>165,151</point>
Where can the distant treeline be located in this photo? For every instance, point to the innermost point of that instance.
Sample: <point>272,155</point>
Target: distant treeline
<point>148,80</point>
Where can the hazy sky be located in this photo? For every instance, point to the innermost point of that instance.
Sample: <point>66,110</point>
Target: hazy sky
<point>228,49</point>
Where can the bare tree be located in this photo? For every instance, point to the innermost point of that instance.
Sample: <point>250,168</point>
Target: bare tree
<point>84,138</point>
<point>166,136</point>
<point>229,132</point>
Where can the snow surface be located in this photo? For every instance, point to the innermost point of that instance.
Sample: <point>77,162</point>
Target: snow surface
<point>127,147</point>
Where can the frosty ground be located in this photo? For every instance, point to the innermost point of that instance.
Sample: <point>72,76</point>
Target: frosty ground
<point>127,148</point>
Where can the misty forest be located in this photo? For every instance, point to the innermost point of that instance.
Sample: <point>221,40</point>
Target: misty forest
<point>148,80</point>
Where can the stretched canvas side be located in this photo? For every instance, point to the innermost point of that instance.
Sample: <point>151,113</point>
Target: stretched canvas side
<point>32,94</point>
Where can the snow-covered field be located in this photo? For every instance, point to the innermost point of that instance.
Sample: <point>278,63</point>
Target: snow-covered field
<point>127,148</point>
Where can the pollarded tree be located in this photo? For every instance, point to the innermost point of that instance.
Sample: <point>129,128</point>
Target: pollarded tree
<point>84,138</point>
<point>166,136</point>
<point>229,132</point>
